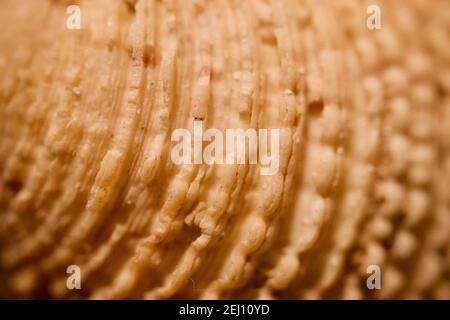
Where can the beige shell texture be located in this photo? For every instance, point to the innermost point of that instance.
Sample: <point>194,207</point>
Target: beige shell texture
<point>86,177</point>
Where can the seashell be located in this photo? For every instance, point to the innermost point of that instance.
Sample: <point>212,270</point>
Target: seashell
<point>351,111</point>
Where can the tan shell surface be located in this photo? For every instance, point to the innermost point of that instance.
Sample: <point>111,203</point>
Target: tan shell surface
<point>86,176</point>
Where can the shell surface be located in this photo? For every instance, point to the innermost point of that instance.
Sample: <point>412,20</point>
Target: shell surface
<point>92,91</point>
